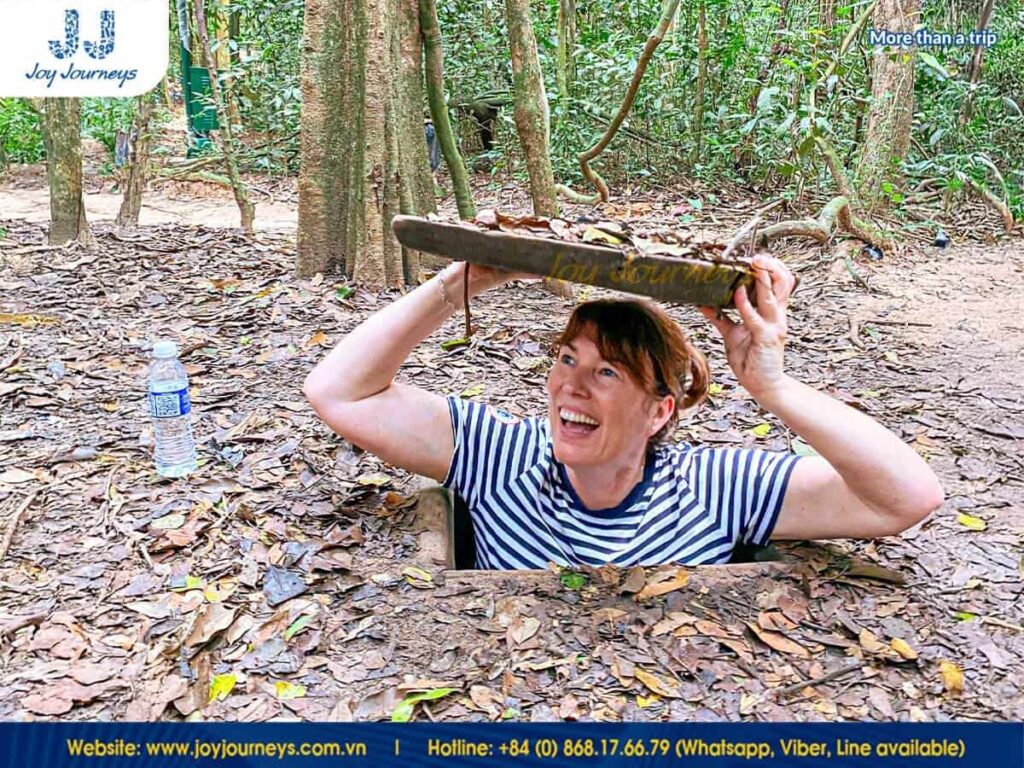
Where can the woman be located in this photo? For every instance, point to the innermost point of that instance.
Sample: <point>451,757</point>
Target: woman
<point>595,482</point>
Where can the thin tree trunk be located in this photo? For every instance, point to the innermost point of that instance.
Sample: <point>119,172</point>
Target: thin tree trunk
<point>135,182</point>
<point>63,142</point>
<point>415,190</point>
<point>979,50</point>
<point>702,73</point>
<point>531,107</point>
<point>439,110</point>
<point>779,46</point>
<point>892,105</point>
<point>974,69</point>
<point>223,55</point>
<point>235,32</point>
<point>245,207</point>
<point>827,14</point>
<point>566,59</point>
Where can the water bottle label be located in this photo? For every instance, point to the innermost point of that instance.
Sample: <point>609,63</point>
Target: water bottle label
<point>165,405</point>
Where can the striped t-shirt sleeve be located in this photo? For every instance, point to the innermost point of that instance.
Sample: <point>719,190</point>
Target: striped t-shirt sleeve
<point>743,487</point>
<point>485,442</point>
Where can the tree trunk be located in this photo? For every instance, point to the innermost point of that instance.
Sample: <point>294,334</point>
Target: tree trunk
<point>223,56</point>
<point>892,105</point>
<point>702,74</point>
<point>135,177</point>
<point>62,139</point>
<point>360,162</point>
<point>827,14</point>
<point>531,107</point>
<point>974,69</point>
<point>245,208</point>
<point>979,50</point>
<point>439,109</point>
<point>566,60</point>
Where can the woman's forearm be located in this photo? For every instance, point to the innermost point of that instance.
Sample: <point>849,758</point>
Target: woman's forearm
<point>876,465</point>
<point>366,360</point>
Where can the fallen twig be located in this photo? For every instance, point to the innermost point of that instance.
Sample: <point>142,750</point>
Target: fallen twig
<point>20,622</point>
<point>855,274</point>
<point>13,524</point>
<point>789,690</point>
<point>1001,623</point>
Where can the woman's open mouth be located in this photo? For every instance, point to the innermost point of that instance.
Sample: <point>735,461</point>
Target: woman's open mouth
<point>576,424</point>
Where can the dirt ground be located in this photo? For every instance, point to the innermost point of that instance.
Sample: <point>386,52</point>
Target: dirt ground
<point>284,579</point>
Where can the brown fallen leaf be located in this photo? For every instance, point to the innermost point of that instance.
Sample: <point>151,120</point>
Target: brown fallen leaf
<point>88,674</point>
<point>487,699</point>
<point>711,628</point>
<point>902,647</point>
<point>623,671</point>
<point>611,615</point>
<point>522,629</point>
<point>569,708</point>
<point>952,677</point>
<point>213,618</point>
<point>871,644</point>
<point>153,696</point>
<point>777,641</point>
<point>634,581</point>
<point>15,475</point>
<point>671,623</point>
<point>869,571</point>
<point>46,704</point>
<point>775,621</point>
<point>748,703</point>
<point>664,587</point>
<point>880,700</point>
<point>317,339</point>
<point>661,686</point>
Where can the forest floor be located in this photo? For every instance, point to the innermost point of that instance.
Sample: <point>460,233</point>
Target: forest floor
<point>284,579</point>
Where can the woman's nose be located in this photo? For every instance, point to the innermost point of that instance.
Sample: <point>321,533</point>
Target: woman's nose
<point>578,382</point>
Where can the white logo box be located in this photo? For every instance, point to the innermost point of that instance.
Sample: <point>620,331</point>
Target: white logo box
<point>120,50</point>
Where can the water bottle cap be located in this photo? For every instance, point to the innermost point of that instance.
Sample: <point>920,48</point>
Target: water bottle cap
<point>165,349</point>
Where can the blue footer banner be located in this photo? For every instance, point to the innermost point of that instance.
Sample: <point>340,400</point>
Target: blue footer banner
<point>559,745</point>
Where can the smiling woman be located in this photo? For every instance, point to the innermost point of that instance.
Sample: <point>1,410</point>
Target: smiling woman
<point>597,481</point>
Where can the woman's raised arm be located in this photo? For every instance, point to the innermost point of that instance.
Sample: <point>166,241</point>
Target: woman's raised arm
<point>353,388</point>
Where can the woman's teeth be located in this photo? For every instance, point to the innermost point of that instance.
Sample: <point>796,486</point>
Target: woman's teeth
<point>577,418</point>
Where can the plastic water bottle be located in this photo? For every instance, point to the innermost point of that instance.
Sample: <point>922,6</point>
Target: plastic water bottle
<point>171,409</point>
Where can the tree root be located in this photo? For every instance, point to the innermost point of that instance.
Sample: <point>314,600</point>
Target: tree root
<point>822,228</point>
<point>576,197</point>
<point>991,199</point>
<point>653,41</point>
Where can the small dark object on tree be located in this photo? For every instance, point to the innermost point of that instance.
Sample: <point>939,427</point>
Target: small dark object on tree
<point>941,239</point>
<point>433,146</point>
<point>873,253</point>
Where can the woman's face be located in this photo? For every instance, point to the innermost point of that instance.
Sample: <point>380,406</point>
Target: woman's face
<point>598,413</point>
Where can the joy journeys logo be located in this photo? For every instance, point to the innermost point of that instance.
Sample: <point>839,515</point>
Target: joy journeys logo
<point>108,47</point>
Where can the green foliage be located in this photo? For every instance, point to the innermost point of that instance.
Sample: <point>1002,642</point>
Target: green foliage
<point>756,125</point>
<point>103,118</point>
<point>20,138</point>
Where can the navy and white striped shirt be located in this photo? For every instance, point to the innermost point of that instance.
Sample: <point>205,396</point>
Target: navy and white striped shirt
<point>693,506</point>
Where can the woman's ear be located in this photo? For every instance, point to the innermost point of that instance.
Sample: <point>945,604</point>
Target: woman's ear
<point>662,411</point>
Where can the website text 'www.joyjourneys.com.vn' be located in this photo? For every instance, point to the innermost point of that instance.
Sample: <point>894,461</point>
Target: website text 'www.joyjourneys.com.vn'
<point>223,749</point>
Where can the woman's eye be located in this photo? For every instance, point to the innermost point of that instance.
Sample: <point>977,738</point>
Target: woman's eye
<point>566,359</point>
<point>609,372</point>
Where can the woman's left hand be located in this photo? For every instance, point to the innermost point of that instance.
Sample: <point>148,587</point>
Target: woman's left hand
<point>754,347</point>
